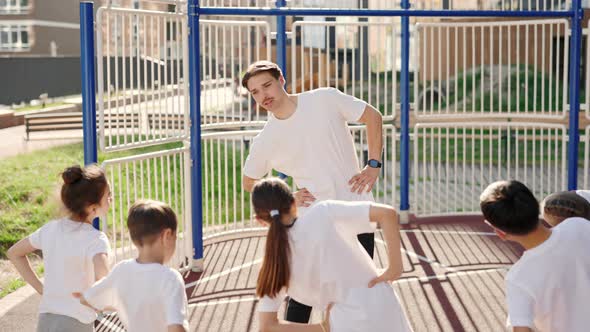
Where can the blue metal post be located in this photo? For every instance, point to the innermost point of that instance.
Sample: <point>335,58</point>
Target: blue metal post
<point>405,115</point>
<point>282,39</point>
<point>195,114</point>
<point>88,85</point>
<point>282,50</point>
<point>574,97</point>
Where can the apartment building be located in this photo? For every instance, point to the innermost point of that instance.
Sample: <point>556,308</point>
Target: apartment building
<point>39,28</point>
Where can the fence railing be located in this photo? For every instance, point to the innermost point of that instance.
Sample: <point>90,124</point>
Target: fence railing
<point>454,162</point>
<point>229,47</point>
<point>473,101</point>
<point>226,205</point>
<point>342,55</point>
<point>498,69</point>
<point>162,175</point>
<point>143,99</point>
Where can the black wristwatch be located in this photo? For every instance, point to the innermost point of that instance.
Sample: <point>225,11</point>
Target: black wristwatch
<point>374,163</point>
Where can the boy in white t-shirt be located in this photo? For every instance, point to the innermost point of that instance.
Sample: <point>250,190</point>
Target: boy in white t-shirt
<point>548,287</point>
<point>307,137</point>
<point>147,295</point>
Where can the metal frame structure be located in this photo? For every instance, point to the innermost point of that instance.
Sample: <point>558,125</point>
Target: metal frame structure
<point>281,11</point>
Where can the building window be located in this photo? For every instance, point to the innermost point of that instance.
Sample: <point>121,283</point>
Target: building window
<point>14,38</point>
<point>17,7</point>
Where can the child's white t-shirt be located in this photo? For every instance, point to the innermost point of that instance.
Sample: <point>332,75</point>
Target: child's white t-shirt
<point>314,145</point>
<point>147,297</point>
<point>68,250</point>
<point>327,260</point>
<point>549,287</point>
<point>584,193</point>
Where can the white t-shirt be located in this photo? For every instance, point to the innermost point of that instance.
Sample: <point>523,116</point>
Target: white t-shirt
<point>68,249</point>
<point>549,287</point>
<point>147,297</point>
<point>314,145</point>
<point>584,193</point>
<point>328,265</point>
<point>326,258</point>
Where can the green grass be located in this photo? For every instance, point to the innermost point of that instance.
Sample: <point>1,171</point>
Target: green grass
<point>542,94</point>
<point>37,107</point>
<point>467,95</point>
<point>17,282</point>
<point>29,196</point>
<point>489,146</point>
<point>224,186</point>
<point>29,191</point>
<point>12,285</point>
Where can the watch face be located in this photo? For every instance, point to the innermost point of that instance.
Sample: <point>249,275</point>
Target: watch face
<point>374,163</point>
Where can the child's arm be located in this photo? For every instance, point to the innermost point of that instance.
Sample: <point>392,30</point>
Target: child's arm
<point>101,296</point>
<point>176,328</point>
<point>101,266</point>
<point>521,312</point>
<point>18,256</point>
<point>386,217</point>
<point>83,301</point>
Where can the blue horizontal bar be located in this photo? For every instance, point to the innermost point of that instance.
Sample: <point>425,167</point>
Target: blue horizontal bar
<point>378,12</point>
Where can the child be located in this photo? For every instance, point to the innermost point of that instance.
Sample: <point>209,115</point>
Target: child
<point>566,204</point>
<point>316,258</point>
<point>548,287</point>
<point>74,253</point>
<point>147,295</point>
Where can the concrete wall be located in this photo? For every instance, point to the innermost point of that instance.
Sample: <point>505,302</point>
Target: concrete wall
<point>25,78</point>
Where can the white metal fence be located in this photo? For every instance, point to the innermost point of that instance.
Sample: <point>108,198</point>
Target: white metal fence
<point>162,175</point>
<point>434,4</point>
<point>454,162</point>
<point>226,206</point>
<point>356,57</point>
<point>460,70</point>
<point>143,100</point>
<point>496,69</point>
<point>228,47</point>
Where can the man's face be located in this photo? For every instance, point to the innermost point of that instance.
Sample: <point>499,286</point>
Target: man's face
<point>266,90</point>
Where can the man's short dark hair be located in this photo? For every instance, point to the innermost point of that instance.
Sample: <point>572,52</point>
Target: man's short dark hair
<point>511,207</point>
<point>260,67</point>
<point>148,218</point>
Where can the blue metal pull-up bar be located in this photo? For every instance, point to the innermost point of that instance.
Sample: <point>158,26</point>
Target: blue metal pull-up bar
<point>243,11</point>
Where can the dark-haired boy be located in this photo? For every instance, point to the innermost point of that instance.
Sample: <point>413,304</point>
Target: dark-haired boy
<point>548,287</point>
<point>147,295</point>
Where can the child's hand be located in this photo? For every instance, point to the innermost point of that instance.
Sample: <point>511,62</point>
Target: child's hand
<point>83,301</point>
<point>388,275</point>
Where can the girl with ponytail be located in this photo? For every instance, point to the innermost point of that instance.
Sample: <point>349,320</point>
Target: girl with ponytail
<point>75,255</point>
<point>316,259</point>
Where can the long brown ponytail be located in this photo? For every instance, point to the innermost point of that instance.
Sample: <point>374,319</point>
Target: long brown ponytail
<point>273,195</point>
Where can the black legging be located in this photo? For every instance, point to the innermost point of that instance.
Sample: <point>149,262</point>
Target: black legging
<point>298,312</point>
